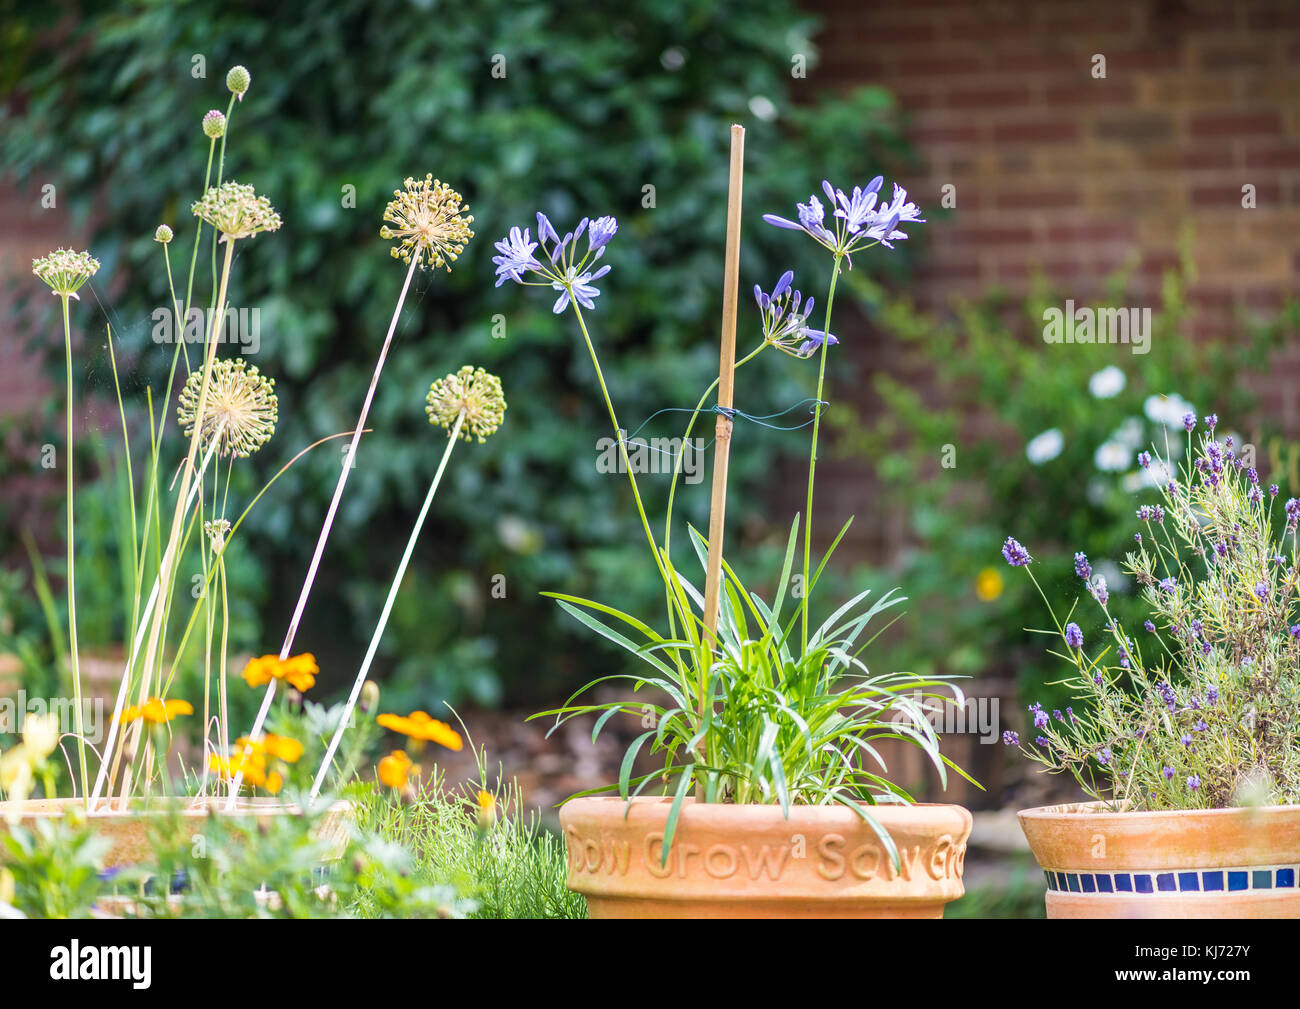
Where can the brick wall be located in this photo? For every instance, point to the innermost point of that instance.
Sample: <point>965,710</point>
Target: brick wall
<point>1059,170</point>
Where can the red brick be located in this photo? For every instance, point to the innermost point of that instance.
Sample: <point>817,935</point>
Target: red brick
<point>1043,131</point>
<point>1236,125</point>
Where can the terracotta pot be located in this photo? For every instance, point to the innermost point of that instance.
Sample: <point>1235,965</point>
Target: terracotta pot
<point>730,861</point>
<point>128,829</point>
<point>1216,863</point>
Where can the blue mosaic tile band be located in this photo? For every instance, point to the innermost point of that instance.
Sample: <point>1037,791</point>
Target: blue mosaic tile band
<point>1154,881</point>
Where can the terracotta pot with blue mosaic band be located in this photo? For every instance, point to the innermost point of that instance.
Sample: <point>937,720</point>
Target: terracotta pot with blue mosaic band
<point>1204,863</point>
<point>732,861</point>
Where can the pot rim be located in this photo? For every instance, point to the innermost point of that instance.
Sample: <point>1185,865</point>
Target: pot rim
<point>196,806</point>
<point>1094,811</point>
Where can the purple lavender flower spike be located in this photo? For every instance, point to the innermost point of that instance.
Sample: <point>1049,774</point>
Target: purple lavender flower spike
<point>1016,555</point>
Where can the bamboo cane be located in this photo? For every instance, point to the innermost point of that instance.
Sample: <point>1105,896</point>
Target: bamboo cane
<point>726,388</point>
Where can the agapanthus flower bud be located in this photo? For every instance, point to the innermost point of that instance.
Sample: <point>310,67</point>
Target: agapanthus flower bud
<point>240,411</point>
<point>473,392</point>
<point>214,124</point>
<point>64,270</point>
<point>237,80</point>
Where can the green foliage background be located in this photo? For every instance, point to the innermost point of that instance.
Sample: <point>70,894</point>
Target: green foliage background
<point>593,107</point>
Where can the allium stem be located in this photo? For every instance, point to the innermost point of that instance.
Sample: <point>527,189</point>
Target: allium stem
<point>812,456</point>
<point>364,671</point>
<point>72,568</point>
<point>256,732</point>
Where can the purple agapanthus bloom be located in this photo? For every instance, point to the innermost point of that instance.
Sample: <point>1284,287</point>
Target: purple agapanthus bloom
<point>1073,635</point>
<point>1081,566</point>
<point>785,319</point>
<point>859,220</point>
<point>1016,555</point>
<point>560,266</point>
<point>1010,738</point>
<point>516,257</point>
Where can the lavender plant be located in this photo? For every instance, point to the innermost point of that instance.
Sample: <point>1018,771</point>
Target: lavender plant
<point>1200,708</point>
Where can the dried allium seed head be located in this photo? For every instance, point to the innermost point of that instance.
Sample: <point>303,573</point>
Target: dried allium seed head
<point>163,234</point>
<point>237,80</point>
<point>236,211</point>
<point>65,270</point>
<point>214,124</point>
<point>473,391</point>
<point>431,223</point>
<point>216,530</point>
<point>240,404</point>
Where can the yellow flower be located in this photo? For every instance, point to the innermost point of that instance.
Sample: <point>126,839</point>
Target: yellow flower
<point>988,584</point>
<point>156,711</point>
<point>6,887</point>
<point>282,748</point>
<point>395,769</point>
<point>299,671</point>
<point>41,734</point>
<point>418,725</point>
<point>487,808</point>
<point>16,774</point>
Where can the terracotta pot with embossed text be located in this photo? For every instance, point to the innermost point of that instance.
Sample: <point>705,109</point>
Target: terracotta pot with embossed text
<point>1197,863</point>
<point>748,861</point>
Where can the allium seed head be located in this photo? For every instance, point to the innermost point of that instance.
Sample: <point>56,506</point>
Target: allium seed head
<point>241,404</point>
<point>431,223</point>
<point>472,391</point>
<point>65,270</point>
<point>236,211</point>
<point>163,234</point>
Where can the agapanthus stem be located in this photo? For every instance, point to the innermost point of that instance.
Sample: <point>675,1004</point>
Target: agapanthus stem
<point>622,443</point>
<point>812,457</point>
<point>72,568</point>
<point>364,671</point>
<point>348,460</point>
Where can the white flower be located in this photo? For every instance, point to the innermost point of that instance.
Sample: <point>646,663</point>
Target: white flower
<point>41,734</point>
<point>1108,382</point>
<point>1130,434</point>
<point>1045,447</point>
<point>1112,456</point>
<point>1167,410</point>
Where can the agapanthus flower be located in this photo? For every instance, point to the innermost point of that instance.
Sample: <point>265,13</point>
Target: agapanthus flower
<point>859,220</point>
<point>236,211</point>
<point>1016,555</point>
<point>785,318</point>
<point>473,392</point>
<point>64,271</point>
<point>1073,635</point>
<point>432,223</point>
<point>552,261</point>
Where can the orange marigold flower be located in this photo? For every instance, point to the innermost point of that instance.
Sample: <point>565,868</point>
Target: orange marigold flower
<point>395,769</point>
<point>282,748</point>
<point>299,671</point>
<point>418,725</point>
<point>156,711</point>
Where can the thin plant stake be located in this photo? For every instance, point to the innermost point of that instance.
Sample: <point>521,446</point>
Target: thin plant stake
<point>726,390</point>
<point>357,684</point>
<point>256,732</point>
